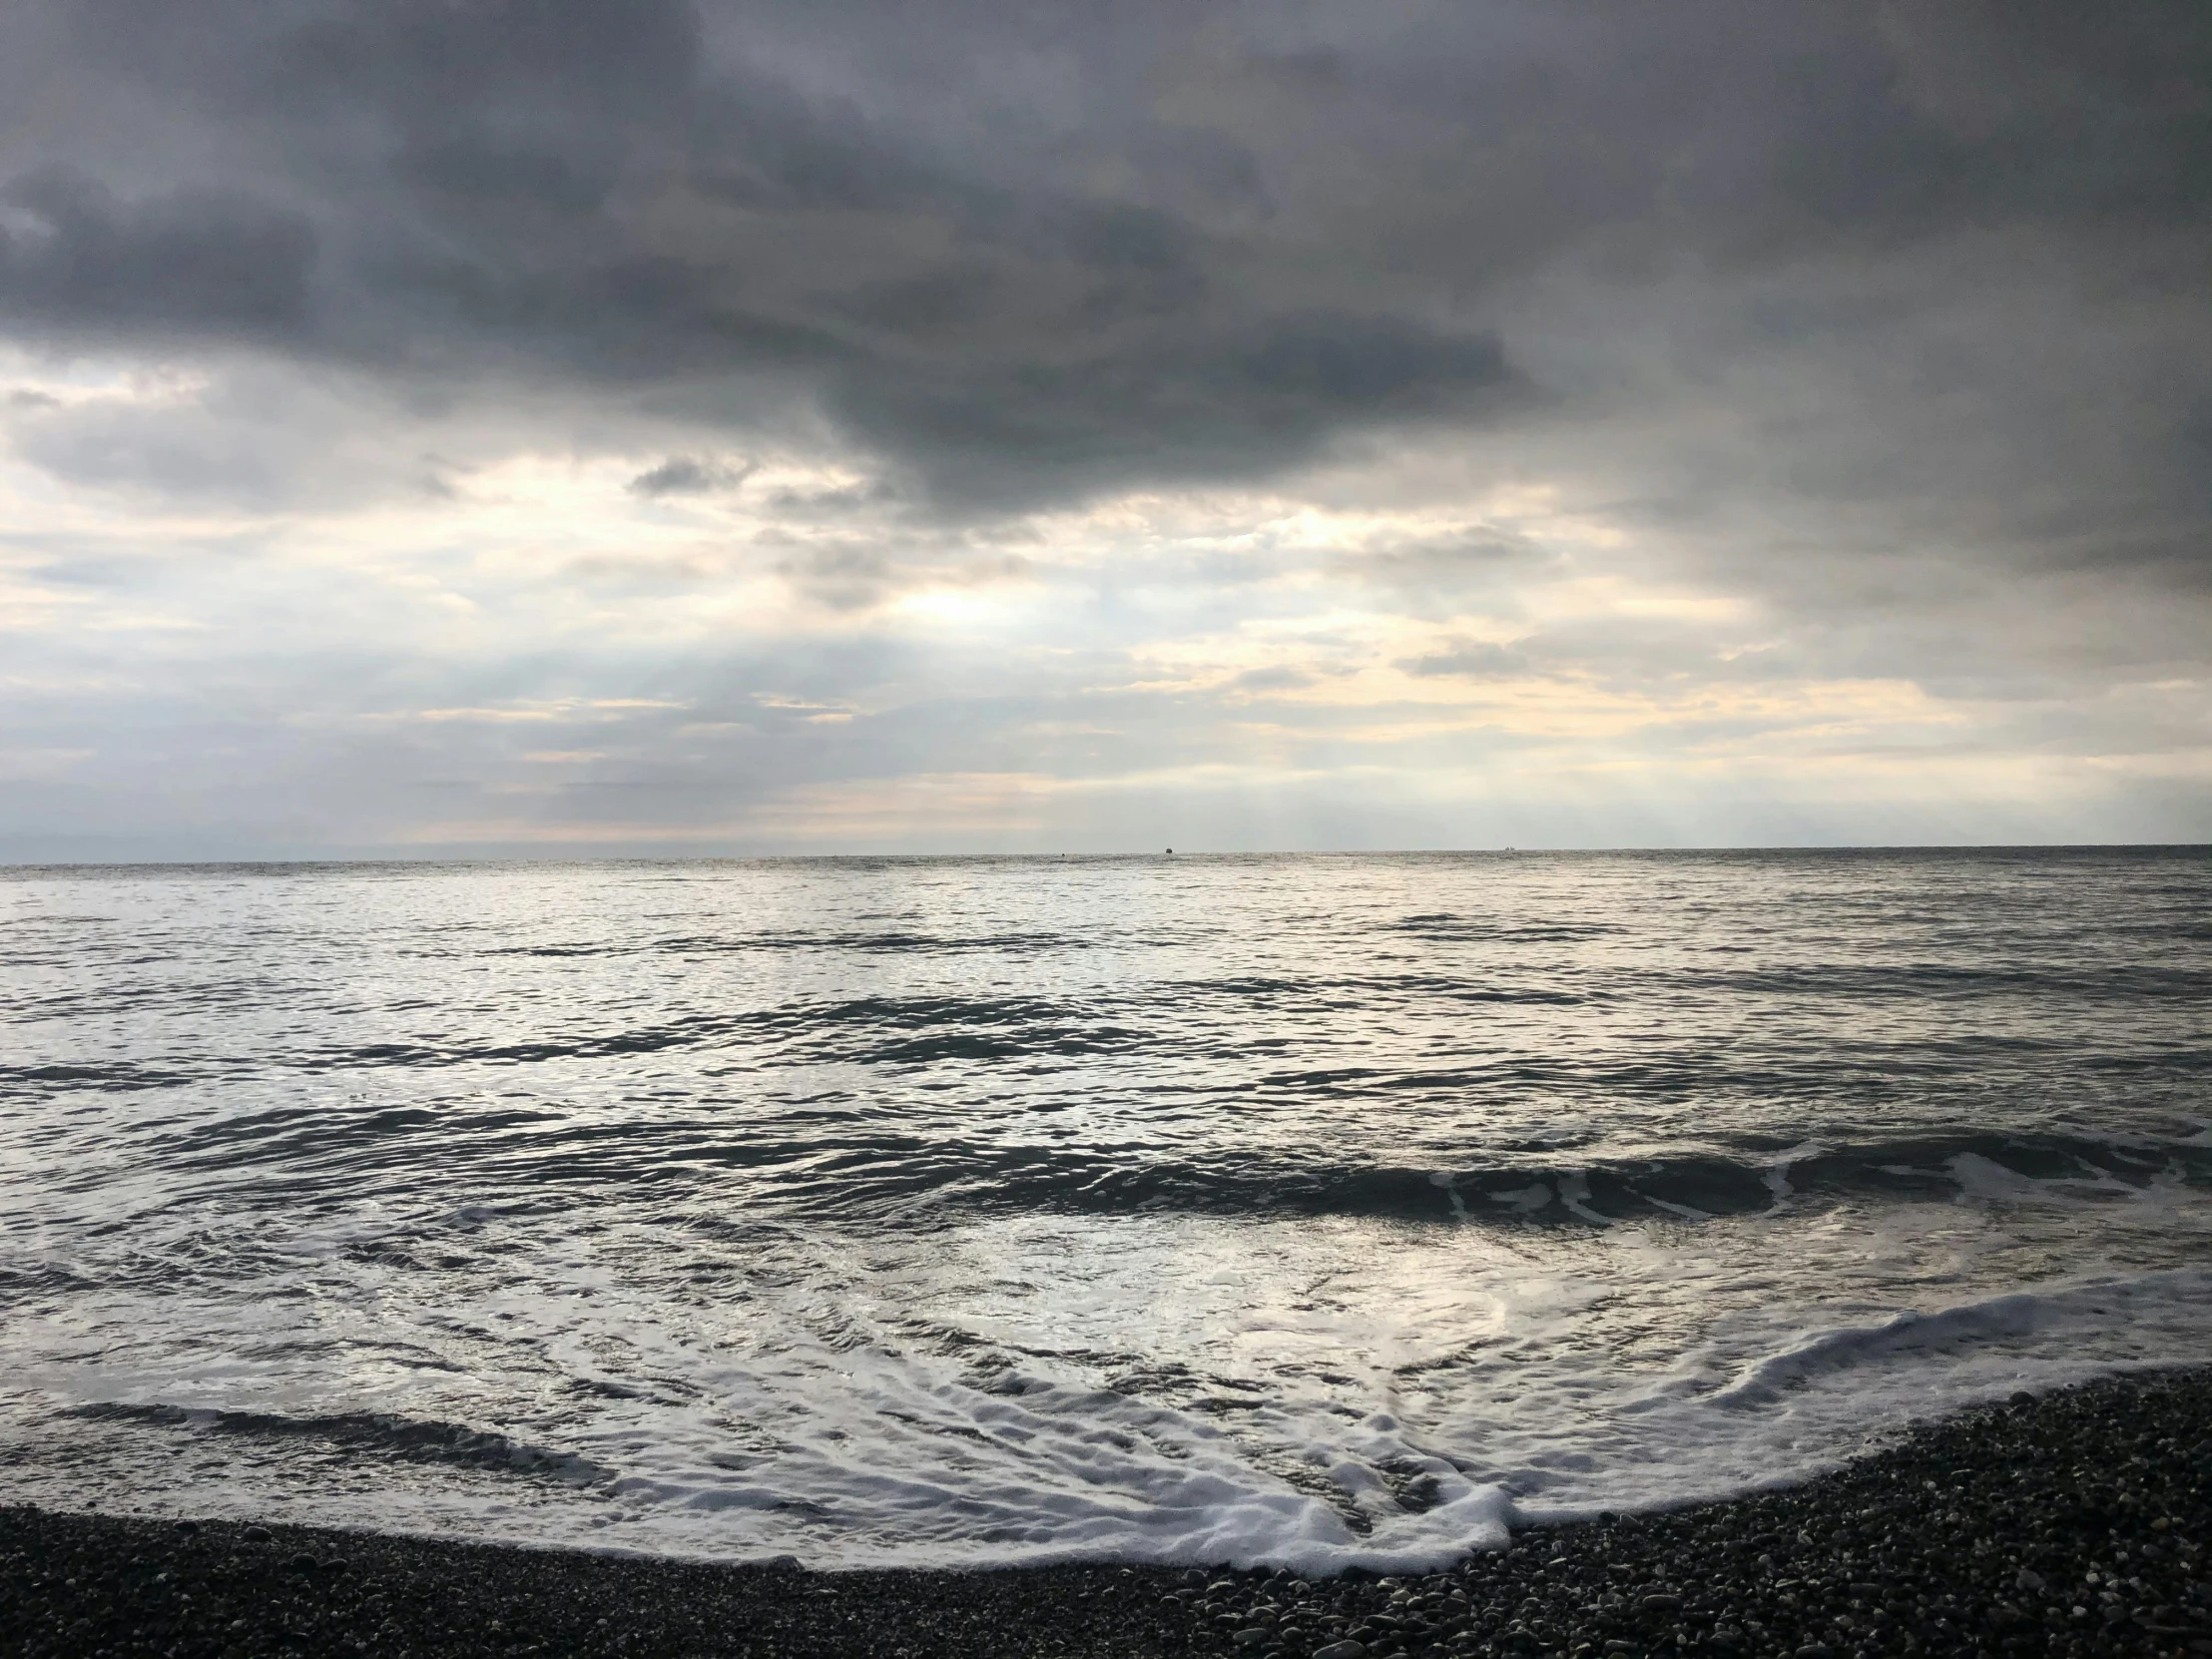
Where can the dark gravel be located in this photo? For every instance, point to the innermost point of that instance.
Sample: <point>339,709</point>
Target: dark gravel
<point>2071,1525</point>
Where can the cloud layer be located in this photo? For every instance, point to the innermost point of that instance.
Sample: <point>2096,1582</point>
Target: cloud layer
<point>627,424</point>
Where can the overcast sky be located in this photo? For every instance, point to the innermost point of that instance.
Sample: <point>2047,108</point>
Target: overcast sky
<point>628,426</point>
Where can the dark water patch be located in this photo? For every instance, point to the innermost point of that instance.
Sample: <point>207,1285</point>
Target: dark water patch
<point>1448,988</point>
<point>864,1030</point>
<point>1239,986</point>
<point>74,953</point>
<point>300,1141</point>
<point>371,1436</point>
<point>2080,976</point>
<point>114,1076</point>
<point>1032,1043</point>
<point>892,942</point>
<point>139,997</point>
<point>1352,991</point>
<point>20,1283</point>
<point>558,950</point>
<point>1330,1078</point>
<point>1444,927</point>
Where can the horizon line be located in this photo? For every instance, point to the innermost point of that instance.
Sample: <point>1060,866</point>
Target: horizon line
<point>1128,856</point>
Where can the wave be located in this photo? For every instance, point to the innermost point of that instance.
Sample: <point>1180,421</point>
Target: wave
<point>1541,1189</point>
<point>873,1170</point>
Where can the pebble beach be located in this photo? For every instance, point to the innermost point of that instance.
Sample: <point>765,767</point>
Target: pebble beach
<point>2071,1525</point>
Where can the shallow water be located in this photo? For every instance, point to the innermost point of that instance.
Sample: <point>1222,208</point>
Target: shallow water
<point>1311,1210</point>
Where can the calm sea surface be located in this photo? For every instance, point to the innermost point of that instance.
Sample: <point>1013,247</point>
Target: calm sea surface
<point>1310,1210</point>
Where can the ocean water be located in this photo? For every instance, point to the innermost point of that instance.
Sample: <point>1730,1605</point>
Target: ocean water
<point>1314,1211</point>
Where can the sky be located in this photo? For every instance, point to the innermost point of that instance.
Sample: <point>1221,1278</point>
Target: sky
<point>630,427</point>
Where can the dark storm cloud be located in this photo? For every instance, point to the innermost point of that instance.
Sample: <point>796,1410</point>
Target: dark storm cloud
<point>583,187</point>
<point>1022,256</point>
<point>1211,408</point>
<point>75,261</point>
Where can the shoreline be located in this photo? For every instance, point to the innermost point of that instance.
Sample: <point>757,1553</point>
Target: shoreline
<point>2076,1523</point>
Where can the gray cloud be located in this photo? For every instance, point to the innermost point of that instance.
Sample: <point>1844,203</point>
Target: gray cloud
<point>1024,260</point>
<point>1479,659</point>
<point>690,475</point>
<point>1474,569</point>
<point>77,260</point>
<point>834,502</point>
<point>843,576</point>
<point>1216,409</point>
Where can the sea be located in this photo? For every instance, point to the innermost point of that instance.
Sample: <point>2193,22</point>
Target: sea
<point>1313,1211</point>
